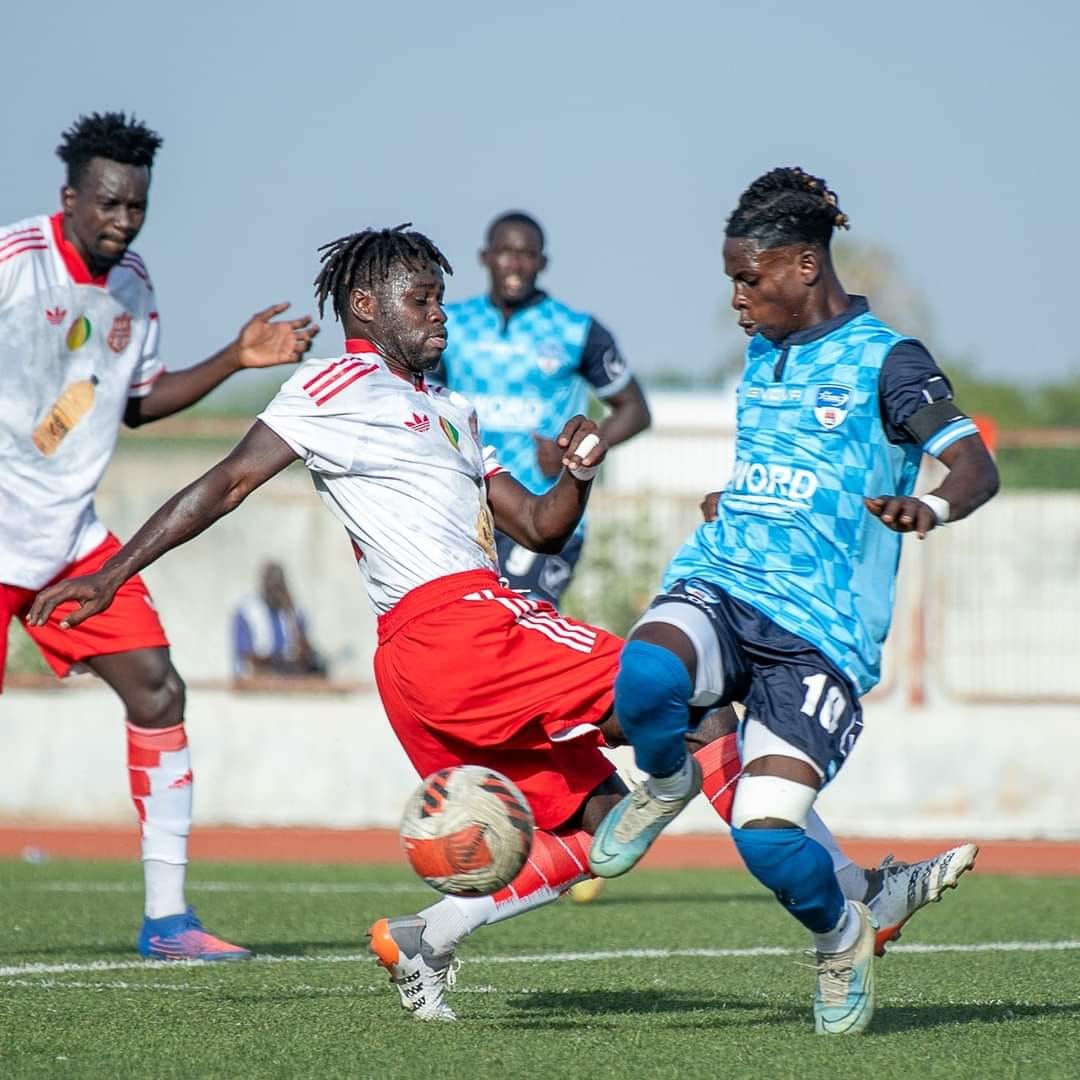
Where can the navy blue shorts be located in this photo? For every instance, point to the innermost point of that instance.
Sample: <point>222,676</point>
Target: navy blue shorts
<point>543,577</point>
<point>780,678</point>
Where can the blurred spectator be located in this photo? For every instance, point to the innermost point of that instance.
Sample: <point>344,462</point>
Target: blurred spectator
<point>270,633</point>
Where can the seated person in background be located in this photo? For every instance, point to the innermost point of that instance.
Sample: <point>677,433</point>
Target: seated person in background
<point>269,632</point>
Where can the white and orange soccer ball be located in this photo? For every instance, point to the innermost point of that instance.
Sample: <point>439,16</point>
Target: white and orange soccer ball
<point>467,830</point>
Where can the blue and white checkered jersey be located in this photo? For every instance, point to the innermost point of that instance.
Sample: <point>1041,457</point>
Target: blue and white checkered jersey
<point>834,413</point>
<point>528,374</point>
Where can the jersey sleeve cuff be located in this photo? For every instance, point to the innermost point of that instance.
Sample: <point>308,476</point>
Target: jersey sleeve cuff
<point>612,388</point>
<point>143,387</point>
<point>938,443</point>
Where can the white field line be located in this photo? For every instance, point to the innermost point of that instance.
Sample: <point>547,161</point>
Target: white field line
<point>313,888</point>
<point>15,971</point>
<point>302,988</point>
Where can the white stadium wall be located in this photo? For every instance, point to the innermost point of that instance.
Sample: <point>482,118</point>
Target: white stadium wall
<point>974,731</point>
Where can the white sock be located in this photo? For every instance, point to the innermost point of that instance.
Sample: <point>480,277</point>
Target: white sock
<point>454,917</point>
<point>164,888</point>
<point>852,878</point>
<point>842,936</point>
<point>672,787</point>
<point>817,830</point>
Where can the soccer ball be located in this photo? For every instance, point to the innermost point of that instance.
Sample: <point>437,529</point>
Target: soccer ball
<point>467,830</point>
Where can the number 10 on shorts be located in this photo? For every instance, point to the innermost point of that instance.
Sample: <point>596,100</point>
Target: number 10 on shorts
<point>831,708</point>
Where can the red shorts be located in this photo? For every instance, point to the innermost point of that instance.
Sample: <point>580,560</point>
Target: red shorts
<point>472,673</point>
<point>130,622</point>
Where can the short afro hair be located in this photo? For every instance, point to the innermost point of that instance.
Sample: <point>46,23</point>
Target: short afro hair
<point>515,217</point>
<point>111,135</point>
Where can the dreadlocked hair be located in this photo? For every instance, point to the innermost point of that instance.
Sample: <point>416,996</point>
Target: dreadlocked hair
<point>364,259</point>
<point>109,135</point>
<point>787,206</point>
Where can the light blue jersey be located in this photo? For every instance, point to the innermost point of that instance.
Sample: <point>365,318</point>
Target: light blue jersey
<point>793,538</point>
<point>528,374</point>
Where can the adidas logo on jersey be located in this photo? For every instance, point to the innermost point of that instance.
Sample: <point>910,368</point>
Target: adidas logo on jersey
<point>55,315</point>
<point>418,423</point>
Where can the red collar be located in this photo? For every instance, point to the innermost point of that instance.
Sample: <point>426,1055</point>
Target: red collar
<point>76,266</point>
<point>360,346</point>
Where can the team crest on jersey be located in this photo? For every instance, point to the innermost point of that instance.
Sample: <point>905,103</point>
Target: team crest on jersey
<point>832,405</point>
<point>452,434</point>
<point>120,333</point>
<point>55,315</point>
<point>549,357</point>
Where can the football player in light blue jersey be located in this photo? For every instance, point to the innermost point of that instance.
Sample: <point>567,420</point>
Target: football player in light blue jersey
<point>783,599</point>
<point>527,363</point>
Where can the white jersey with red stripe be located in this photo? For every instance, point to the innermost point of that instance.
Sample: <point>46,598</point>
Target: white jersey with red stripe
<point>73,349</point>
<point>399,463</point>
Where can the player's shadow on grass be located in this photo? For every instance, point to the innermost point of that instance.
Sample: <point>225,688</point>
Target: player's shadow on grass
<point>611,898</point>
<point>889,1020</point>
<point>686,1009</point>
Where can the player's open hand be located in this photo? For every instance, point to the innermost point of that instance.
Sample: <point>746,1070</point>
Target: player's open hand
<point>583,447</point>
<point>265,343</point>
<point>902,514</point>
<point>92,593</point>
<point>710,506</point>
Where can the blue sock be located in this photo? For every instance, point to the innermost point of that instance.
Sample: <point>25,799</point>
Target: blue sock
<point>798,870</point>
<point>652,695</point>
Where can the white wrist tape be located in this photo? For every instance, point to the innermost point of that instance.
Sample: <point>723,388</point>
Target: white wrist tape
<point>939,507</point>
<point>585,447</point>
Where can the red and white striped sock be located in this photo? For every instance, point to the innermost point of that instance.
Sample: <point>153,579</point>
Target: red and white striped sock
<point>557,861</point>
<point>720,768</point>
<point>159,771</point>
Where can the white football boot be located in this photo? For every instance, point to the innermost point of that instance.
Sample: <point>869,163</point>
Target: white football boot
<point>844,998</point>
<point>897,890</point>
<point>422,978</point>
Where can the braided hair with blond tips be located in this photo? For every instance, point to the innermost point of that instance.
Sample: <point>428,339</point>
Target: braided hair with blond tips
<point>364,260</point>
<point>787,206</point>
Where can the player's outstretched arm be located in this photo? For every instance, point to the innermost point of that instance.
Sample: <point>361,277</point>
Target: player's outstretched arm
<point>545,522</point>
<point>260,455</point>
<point>972,480</point>
<point>262,342</point>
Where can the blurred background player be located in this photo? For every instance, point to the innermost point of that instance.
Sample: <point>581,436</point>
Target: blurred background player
<point>783,600</point>
<point>514,686</point>
<point>270,633</point>
<point>527,362</point>
<point>78,357</point>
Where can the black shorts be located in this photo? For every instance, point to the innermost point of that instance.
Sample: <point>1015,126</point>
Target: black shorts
<point>543,577</point>
<point>781,679</point>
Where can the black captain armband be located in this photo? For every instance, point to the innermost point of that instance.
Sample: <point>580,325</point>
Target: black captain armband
<point>926,422</point>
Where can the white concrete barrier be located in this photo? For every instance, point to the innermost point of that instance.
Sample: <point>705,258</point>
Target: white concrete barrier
<point>983,771</point>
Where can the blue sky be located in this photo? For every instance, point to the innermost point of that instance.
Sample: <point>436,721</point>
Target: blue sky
<point>948,130</point>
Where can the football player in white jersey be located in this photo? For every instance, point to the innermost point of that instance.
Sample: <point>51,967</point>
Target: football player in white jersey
<point>468,670</point>
<point>78,357</point>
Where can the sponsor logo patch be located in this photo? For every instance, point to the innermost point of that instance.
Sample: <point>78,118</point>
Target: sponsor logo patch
<point>832,403</point>
<point>773,481</point>
<point>55,315</point>
<point>419,423</point>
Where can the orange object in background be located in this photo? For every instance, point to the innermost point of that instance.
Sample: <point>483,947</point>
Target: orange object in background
<point>988,429</point>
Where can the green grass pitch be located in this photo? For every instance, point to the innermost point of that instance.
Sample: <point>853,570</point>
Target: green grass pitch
<point>985,984</point>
